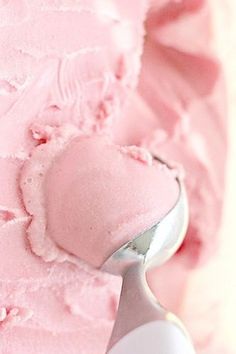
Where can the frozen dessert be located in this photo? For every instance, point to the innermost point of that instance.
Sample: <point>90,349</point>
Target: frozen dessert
<point>89,90</point>
<point>92,195</point>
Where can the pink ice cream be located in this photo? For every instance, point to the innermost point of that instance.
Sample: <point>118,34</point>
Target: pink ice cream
<point>77,130</point>
<point>87,194</point>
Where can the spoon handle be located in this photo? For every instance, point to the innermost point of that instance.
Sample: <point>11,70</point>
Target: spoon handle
<point>158,337</point>
<point>142,326</point>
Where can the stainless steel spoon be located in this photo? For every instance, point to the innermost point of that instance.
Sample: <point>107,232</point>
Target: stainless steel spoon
<point>142,325</point>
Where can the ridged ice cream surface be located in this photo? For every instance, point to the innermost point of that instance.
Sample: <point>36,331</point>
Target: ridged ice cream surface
<point>90,91</point>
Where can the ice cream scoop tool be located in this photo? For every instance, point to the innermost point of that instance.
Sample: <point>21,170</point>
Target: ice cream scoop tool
<point>142,325</point>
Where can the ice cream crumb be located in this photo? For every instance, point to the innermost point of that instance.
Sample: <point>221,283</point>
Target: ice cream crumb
<point>13,316</point>
<point>138,153</point>
<point>3,313</point>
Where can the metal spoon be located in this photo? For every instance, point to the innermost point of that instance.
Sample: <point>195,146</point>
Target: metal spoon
<point>142,325</point>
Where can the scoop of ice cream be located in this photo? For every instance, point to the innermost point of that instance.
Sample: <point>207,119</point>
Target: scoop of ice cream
<point>92,197</point>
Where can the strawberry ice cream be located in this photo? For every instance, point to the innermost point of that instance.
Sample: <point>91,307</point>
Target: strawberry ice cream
<point>89,91</point>
<point>92,195</point>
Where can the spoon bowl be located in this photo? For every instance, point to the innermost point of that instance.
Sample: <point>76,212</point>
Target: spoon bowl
<point>156,245</point>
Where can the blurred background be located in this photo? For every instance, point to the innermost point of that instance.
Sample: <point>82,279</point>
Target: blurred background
<point>225,264</point>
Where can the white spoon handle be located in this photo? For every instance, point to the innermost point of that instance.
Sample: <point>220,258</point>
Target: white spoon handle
<point>158,337</point>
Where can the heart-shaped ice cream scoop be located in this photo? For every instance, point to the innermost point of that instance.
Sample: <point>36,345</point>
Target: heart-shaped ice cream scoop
<point>142,325</point>
<point>94,197</point>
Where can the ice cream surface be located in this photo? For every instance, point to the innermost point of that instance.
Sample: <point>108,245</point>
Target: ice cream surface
<point>77,127</point>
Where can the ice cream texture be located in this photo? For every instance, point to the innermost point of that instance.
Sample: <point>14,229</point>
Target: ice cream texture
<point>81,112</point>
